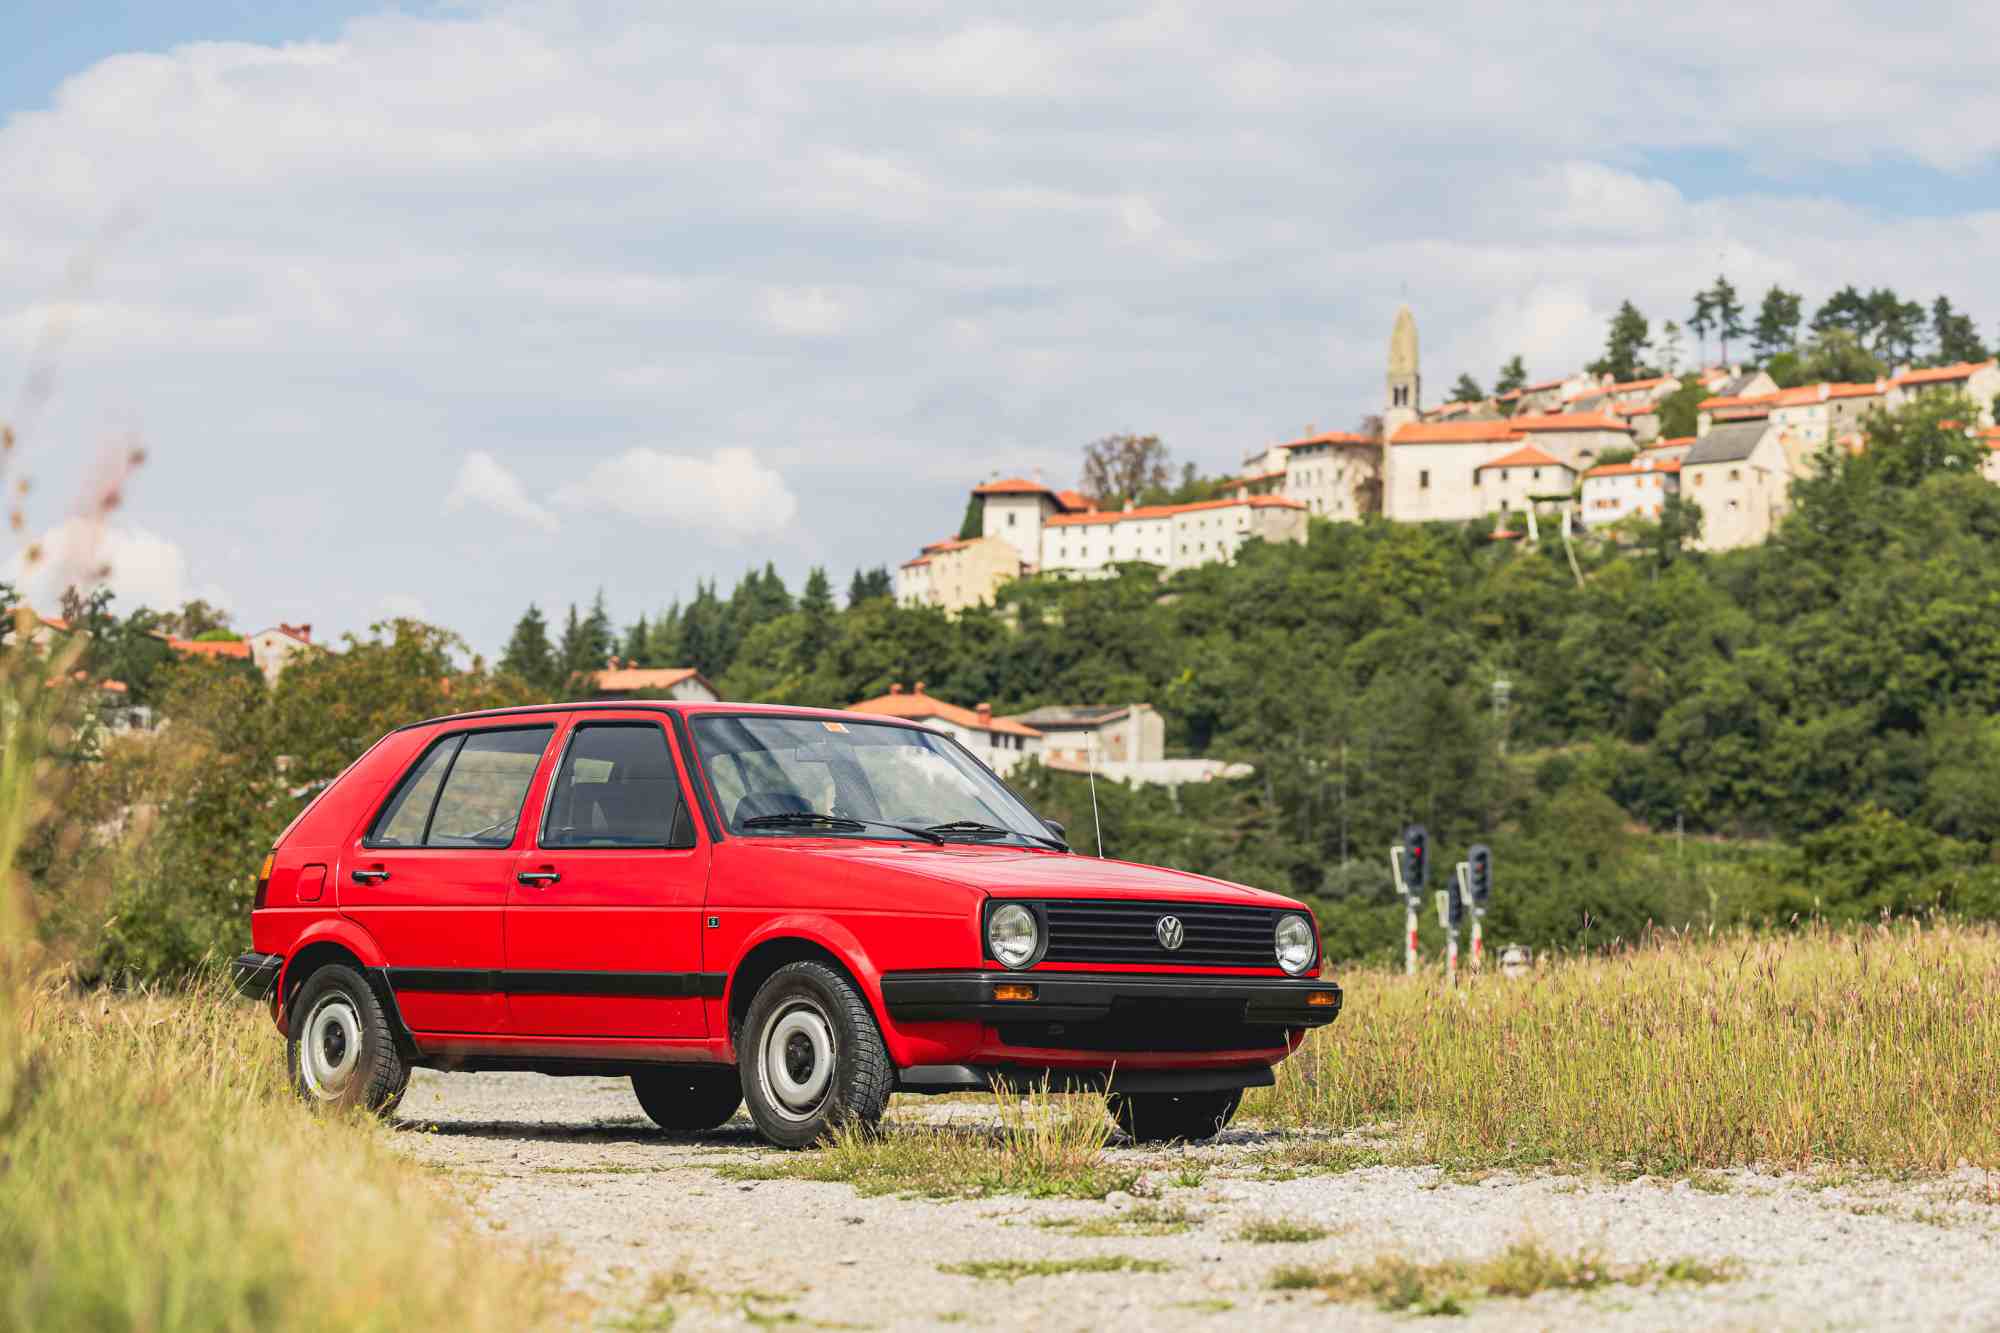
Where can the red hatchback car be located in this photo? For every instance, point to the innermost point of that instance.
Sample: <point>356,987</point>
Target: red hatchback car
<point>798,909</point>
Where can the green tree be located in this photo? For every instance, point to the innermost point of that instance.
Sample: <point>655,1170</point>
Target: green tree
<point>1118,468</point>
<point>1955,337</point>
<point>973,522</point>
<point>1671,348</point>
<point>587,643</point>
<point>1836,355</point>
<point>1727,312</point>
<point>868,584</point>
<point>1513,375</point>
<point>529,657</point>
<point>1679,414</point>
<point>1626,344</point>
<point>1467,390</point>
<point>194,619</point>
<point>1702,320</point>
<point>1777,327</point>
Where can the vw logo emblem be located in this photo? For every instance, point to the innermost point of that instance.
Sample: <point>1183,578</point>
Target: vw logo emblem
<point>1170,931</point>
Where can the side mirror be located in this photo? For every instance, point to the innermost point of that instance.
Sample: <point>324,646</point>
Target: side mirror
<point>1057,829</point>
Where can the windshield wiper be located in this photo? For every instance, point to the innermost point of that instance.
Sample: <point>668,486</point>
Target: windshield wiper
<point>846,823</point>
<point>975,828</point>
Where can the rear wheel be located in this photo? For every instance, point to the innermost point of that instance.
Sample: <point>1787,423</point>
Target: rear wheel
<point>811,1057</point>
<point>1161,1117</point>
<point>340,1051</point>
<point>688,1098</point>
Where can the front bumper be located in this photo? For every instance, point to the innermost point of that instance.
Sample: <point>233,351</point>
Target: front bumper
<point>253,974</point>
<point>1097,997</point>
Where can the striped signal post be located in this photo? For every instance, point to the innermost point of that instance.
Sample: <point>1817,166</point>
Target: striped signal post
<point>1451,911</point>
<point>1478,888</point>
<point>1410,864</point>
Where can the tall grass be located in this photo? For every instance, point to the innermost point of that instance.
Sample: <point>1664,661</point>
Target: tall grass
<point>161,1176</point>
<point>1871,1047</point>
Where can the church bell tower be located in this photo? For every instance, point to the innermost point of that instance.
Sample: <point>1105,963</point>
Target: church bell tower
<point>1405,384</point>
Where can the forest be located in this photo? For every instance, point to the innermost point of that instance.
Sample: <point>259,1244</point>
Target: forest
<point>1659,737</point>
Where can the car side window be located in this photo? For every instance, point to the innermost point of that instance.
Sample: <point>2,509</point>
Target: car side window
<point>467,791</point>
<point>617,788</point>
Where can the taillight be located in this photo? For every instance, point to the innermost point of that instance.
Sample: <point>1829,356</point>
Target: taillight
<point>263,880</point>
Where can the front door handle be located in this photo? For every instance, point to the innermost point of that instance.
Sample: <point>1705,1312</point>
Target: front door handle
<point>537,877</point>
<point>370,876</point>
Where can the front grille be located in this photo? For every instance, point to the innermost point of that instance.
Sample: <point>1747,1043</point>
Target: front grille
<point>1149,1027</point>
<point>1103,931</point>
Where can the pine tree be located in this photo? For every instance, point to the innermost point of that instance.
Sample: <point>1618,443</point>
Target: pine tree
<point>1777,327</point>
<point>528,653</point>
<point>638,644</point>
<point>974,521</point>
<point>817,611</point>
<point>1728,312</point>
<point>586,643</point>
<point>1671,348</point>
<point>1467,390</point>
<point>1513,375</point>
<point>1955,336</point>
<point>1701,321</point>
<point>663,646</point>
<point>1625,344</point>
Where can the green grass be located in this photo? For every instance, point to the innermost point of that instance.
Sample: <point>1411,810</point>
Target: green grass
<point>1521,1270</point>
<point>160,1175</point>
<point>1047,1146</point>
<point>1013,1270</point>
<point>1146,1219</point>
<point>1867,1048</point>
<point>1277,1231</point>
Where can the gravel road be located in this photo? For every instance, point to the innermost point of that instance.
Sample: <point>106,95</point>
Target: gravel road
<point>571,1167</point>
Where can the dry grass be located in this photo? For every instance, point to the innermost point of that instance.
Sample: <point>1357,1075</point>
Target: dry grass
<point>1870,1048</point>
<point>1048,1145</point>
<point>160,1175</point>
<point>1522,1269</point>
<point>1013,1270</point>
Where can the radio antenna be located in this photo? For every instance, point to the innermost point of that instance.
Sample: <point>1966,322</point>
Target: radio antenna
<point>1090,750</point>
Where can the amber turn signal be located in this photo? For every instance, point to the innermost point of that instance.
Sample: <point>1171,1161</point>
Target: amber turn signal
<point>1013,991</point>
<point>1321,999</point>
<point>263,880</point>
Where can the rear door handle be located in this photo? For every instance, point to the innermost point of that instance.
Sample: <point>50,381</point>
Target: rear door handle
<point>370,876</point>
<point>542,877</point>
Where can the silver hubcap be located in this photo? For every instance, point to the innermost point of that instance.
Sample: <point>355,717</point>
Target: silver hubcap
<point>796,1062</point>
<point>330,1047</point>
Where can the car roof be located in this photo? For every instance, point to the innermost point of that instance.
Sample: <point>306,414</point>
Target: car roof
<point>684,706</point>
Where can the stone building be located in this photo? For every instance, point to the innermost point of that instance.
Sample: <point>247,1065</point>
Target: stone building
<point>1740,478</point>
<point>1614,491</point>
<point>1977,380</point>
<point>1514,482</point>
<point>955,574</point>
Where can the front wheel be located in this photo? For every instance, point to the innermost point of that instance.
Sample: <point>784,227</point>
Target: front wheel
<point>339,1051</point>
<point>688,1098</point>
<point>811,1058</point>
<point>1162,1117</point>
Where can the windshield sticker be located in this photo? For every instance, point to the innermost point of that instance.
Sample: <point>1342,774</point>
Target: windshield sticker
<point>834,726</point>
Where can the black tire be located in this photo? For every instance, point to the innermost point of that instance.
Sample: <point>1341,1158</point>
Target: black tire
<point>1163,1117</point>
<point>831,1068</point>
<point>339,1050</point>
<point>685,1099</point>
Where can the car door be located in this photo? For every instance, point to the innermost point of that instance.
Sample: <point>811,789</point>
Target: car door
<point>604,916</point>
<point>428,875</point>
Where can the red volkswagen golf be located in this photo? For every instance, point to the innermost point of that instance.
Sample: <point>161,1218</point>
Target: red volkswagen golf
<point>801,910</point>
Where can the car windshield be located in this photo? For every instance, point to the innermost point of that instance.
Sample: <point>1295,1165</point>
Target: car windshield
<point>856,779</point>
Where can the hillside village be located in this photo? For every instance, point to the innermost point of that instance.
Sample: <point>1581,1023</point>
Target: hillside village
<point>1584,451</point>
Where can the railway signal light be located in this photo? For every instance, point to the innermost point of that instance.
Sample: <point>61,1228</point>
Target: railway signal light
<point>1416,858</point>
<point>1479,875</point>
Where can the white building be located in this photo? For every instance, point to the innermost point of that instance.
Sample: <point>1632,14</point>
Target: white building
<point>1977,380</point>
<point>1818,413</point>
<point>1512,482</point>
<point>1431,472</point>
<point>1014,511</point>
<point>1001,743</point>
<point>1612,491</point>
<point>1174,536</point>
<point>1337,475</point>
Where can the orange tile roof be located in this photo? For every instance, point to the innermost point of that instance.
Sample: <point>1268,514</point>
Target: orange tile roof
<point>1510,395</point>
<point>920,560</point>
<point>1819,393</point>
<point>916,706</point>
<point>1012,486</point>
<point>1568,421</point>
<point>1944,374</point>
<point>948,544</point>
<point>1526,456</point>
<point>1741,400</point>
<point>1168,511</point>
<point>210,648</point>
<point>1261,477</point>
<point>1633,386</point>
<point>1544,385</point>
<point>1667,465</point>
<point>1456,432</point>
<point>1672,443</point>
<point>1328,437</point>
<point>1635,409</point>
<point>1074,500</point>
<point>618,679</point>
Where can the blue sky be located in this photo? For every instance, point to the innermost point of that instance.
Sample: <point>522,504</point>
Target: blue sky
<point>440,309</point>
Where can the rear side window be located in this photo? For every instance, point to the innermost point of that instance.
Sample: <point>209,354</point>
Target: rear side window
<point>617,788</point>
<point>467,791</point>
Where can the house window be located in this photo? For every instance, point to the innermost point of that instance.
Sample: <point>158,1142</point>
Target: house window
<point>1011,518</point>
<point>1424,479</point>
<point>1536,475</point>
<point>1735,474</point>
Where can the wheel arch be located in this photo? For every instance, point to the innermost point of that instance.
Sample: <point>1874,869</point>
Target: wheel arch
<point>797,941</point>
<point>339,946</point>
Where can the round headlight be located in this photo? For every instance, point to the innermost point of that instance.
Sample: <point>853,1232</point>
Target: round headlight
<point>1294,940</point>
<point>1013,935</point>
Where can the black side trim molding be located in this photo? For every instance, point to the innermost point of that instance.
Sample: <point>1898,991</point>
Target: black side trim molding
<point>490,981</point>
<point>1021,1078</point>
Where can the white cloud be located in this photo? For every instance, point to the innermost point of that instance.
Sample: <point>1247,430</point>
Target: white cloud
<point>892,248</point>
<point>484,481</point>
<point>140,567</point>
<point>728,494</point>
